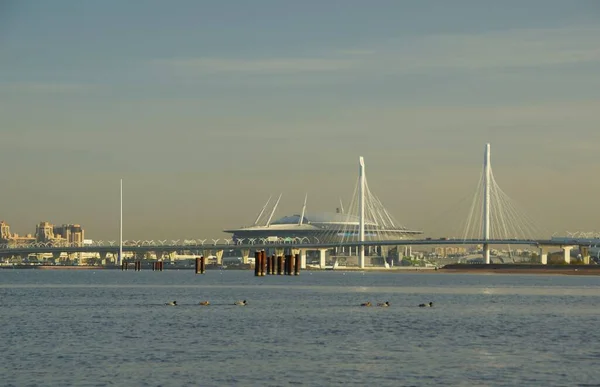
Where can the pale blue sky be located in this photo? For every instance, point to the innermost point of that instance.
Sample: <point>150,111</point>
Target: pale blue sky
<point>206,108</point>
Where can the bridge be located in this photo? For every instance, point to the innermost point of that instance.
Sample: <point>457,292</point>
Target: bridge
<point>368,228</point>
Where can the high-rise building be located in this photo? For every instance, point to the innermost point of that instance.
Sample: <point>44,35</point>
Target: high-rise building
<point>44,232</point>
<point>4,231</point>
<point>67,234</point>
<point>70,233</point>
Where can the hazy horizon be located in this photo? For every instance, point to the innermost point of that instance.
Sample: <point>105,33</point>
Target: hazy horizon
<point>205,109</point>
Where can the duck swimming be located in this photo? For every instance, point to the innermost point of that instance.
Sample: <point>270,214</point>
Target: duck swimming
<point>172,303</point>
<point>366,304</point>
<point>426,305</point>
<point>384,304</point>
<point>205,303</point>
<point>240,303</point>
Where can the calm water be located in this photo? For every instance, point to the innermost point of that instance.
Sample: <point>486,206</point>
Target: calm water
<point>96,328</point>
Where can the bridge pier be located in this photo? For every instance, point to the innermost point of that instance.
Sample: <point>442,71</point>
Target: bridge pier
<point>206,253</point>
<point>219,256</point>
<point>171,256</point>
<point>486,254</point>
<point>544,255</point>
<point>245,256</point>
<point>567,254</point>
<point>322,257</point>
<point>585,254</point>
<point>302,258</point>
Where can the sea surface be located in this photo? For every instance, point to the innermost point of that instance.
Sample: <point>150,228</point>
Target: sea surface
<point>112,328</point>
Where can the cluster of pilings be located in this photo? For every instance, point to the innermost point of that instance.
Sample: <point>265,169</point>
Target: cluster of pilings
<point>271,265</point>
<point>200,265</point>
<point>158,266</point>
<point>137,266</point>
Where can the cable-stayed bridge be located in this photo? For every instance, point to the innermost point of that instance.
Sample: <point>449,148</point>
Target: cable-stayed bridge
<point>363,230</point>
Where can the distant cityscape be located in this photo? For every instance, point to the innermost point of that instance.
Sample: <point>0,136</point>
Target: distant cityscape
<point>45,232</point>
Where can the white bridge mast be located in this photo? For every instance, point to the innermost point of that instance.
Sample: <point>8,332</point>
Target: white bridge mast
<point>486,203</point>
<point>120,257</point>
<point>361,204</point>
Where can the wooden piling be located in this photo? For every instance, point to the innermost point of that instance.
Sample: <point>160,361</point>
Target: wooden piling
<point>287,268</point>
<point>279,265</point>
<point>257,263</point>
<point>297,264</point>
<point>272,266</point>
<point>263,263</point>
<point>202,265</point>
<point>197,266</point>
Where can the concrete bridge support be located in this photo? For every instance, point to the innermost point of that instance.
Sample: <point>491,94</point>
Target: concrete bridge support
<point>384,251</point>
<point>544,255</point>
<point>302,258</point>
<point>567,254</point>
<point>103,255</point>
<point>245,256</point>
<point>56,256</point>
<point>171,256</point>
<point>585,254</point>
<point>219,256</point>
<point>322,257</point>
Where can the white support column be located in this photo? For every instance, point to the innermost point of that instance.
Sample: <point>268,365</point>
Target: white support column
<point>302,259</point>
<point>585,254</point>
<point>486,254</point>
<point>361,204</point>
<point>120,257</point>
<point>543,255</point>
<point>219,256</point>
<point>245,256</point>
<point>486,203</point>
<point>567,254</point>
<point>322,256</point>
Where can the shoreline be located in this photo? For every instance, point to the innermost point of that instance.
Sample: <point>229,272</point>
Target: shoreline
<point>522,269</point>
<point>447,269</point>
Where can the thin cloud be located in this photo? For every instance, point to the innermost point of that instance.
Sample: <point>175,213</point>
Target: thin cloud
<point>519,48</point>
<point>254,66</point>
<point>45,88</point>
<point>476,53</point>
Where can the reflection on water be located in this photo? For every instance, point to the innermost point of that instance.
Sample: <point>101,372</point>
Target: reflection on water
<point>111,327</point>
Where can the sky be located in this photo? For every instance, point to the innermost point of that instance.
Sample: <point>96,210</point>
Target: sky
<point>207,108</point>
